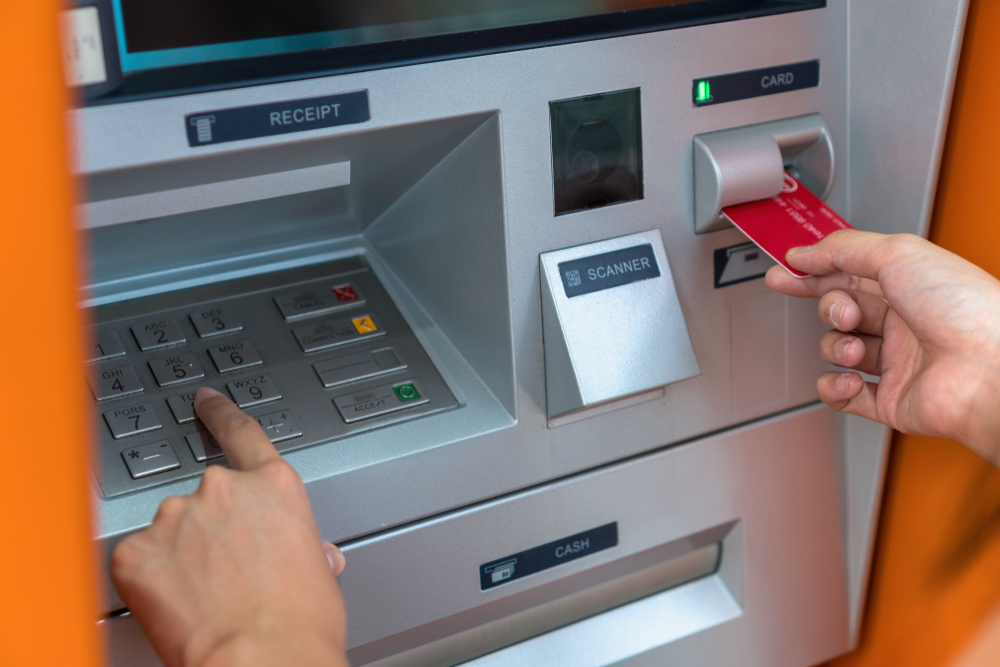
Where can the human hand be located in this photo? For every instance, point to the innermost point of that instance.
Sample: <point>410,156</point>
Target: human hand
<point>236,573</point>
<point>923,319</point>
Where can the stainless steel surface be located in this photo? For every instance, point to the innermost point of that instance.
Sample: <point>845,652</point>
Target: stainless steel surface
<point>334,333</point>
<point>108,383</point>
<point>609,344</point>
<point>748,163</point>
<point>640,580</point>
<point>377,401</point>
<point>132,420</point>
<point>176,369</point>
<point>306,303</point>
<point>253,390</point>
<point>450,205</point>
<point>150,459</point>
<point>234,356</point>
<point>359,366</point>
<point>215,322</point>
<point>280,426</point>
<point>155,334</point>
<point>107,345</point>
<point>203,446</point>
<point>182,407</point>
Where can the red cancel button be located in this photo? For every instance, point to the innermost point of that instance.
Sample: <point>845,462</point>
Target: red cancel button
<point>345,293</point>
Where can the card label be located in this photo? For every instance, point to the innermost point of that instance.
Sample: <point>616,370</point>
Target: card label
<point>521,564</point>
<point>265,120</point>
<point>609,269</point>
<point>755,83</point>
<point>794,217</point>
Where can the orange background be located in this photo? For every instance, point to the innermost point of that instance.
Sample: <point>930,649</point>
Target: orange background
<point>936,575</point>
<point>47,591</point>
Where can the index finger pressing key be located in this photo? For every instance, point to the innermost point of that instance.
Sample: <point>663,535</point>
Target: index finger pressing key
<point>239,435</point>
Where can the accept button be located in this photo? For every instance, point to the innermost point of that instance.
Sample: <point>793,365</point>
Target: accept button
<point>378,401</point>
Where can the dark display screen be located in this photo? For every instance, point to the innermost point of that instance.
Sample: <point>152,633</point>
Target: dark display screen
<point>160,33</point>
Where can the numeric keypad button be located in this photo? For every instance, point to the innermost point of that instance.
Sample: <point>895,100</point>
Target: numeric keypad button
<point>146,460</point>
<point>183,407</point>
<point>215,322</point>
<point>132,420</point>
<point>158,333</point>
<point>254,390</point>
<point>234,356</point>
<point>112,383</point>
<point>106,345</point>
<point>176,369</point>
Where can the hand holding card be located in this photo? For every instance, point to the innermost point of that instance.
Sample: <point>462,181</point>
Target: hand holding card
<point>794,217</point>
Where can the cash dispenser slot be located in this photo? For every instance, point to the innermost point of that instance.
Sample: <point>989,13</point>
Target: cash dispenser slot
<point>748,163</point>
<point>612,325</point>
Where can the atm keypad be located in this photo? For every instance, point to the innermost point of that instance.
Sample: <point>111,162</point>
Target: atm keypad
<point>215,322</point>
<point>234,356</point>
<point>176,369</point>
<point>107,345</point>
<point>114,382</point>
<point>307,376</point>
<point>158,333</point>
<point>132,420</point>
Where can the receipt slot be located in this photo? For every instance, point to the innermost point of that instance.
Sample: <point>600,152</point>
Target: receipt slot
<point>612,323</point>
<point>748,163</point>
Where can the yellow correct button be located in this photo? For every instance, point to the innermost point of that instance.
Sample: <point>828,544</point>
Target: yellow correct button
<point>364,324</point>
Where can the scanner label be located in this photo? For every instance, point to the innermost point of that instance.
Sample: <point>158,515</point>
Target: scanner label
<point>609,269</point>
<point>510,568</point>
<point>264,120</point>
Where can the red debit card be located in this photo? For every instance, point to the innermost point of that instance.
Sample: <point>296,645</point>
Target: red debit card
<point>795,217</point>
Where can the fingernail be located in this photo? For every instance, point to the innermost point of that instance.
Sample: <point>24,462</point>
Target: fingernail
<point>836,312</point>
<point>204,394</point>
<point>840,349</point>
<point>335,557</point>
<point>797,251</point>
<point>842,382</point>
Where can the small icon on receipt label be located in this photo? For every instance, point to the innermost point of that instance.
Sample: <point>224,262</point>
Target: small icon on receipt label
<point>501,571</point>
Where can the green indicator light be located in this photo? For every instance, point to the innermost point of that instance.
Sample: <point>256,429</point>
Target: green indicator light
<point>704,92</point>
<point>406,392</point>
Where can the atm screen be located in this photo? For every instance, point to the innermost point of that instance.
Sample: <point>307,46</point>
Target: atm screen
<point>165,33</point>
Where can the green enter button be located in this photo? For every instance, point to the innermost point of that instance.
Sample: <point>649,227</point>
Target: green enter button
<point>406,392</point>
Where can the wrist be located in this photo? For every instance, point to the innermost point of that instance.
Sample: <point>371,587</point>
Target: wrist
<point>288,649</point>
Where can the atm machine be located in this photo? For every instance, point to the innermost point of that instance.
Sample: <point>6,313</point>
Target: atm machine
<point>464,263</point>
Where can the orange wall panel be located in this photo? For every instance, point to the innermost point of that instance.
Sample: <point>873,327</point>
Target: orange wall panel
<point>936,573</point>
<point>47,570</point>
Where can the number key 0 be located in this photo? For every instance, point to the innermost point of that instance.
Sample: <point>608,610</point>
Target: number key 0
<point>234,356</point>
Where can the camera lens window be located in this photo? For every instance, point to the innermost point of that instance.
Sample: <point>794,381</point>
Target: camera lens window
<point>596,150</point>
